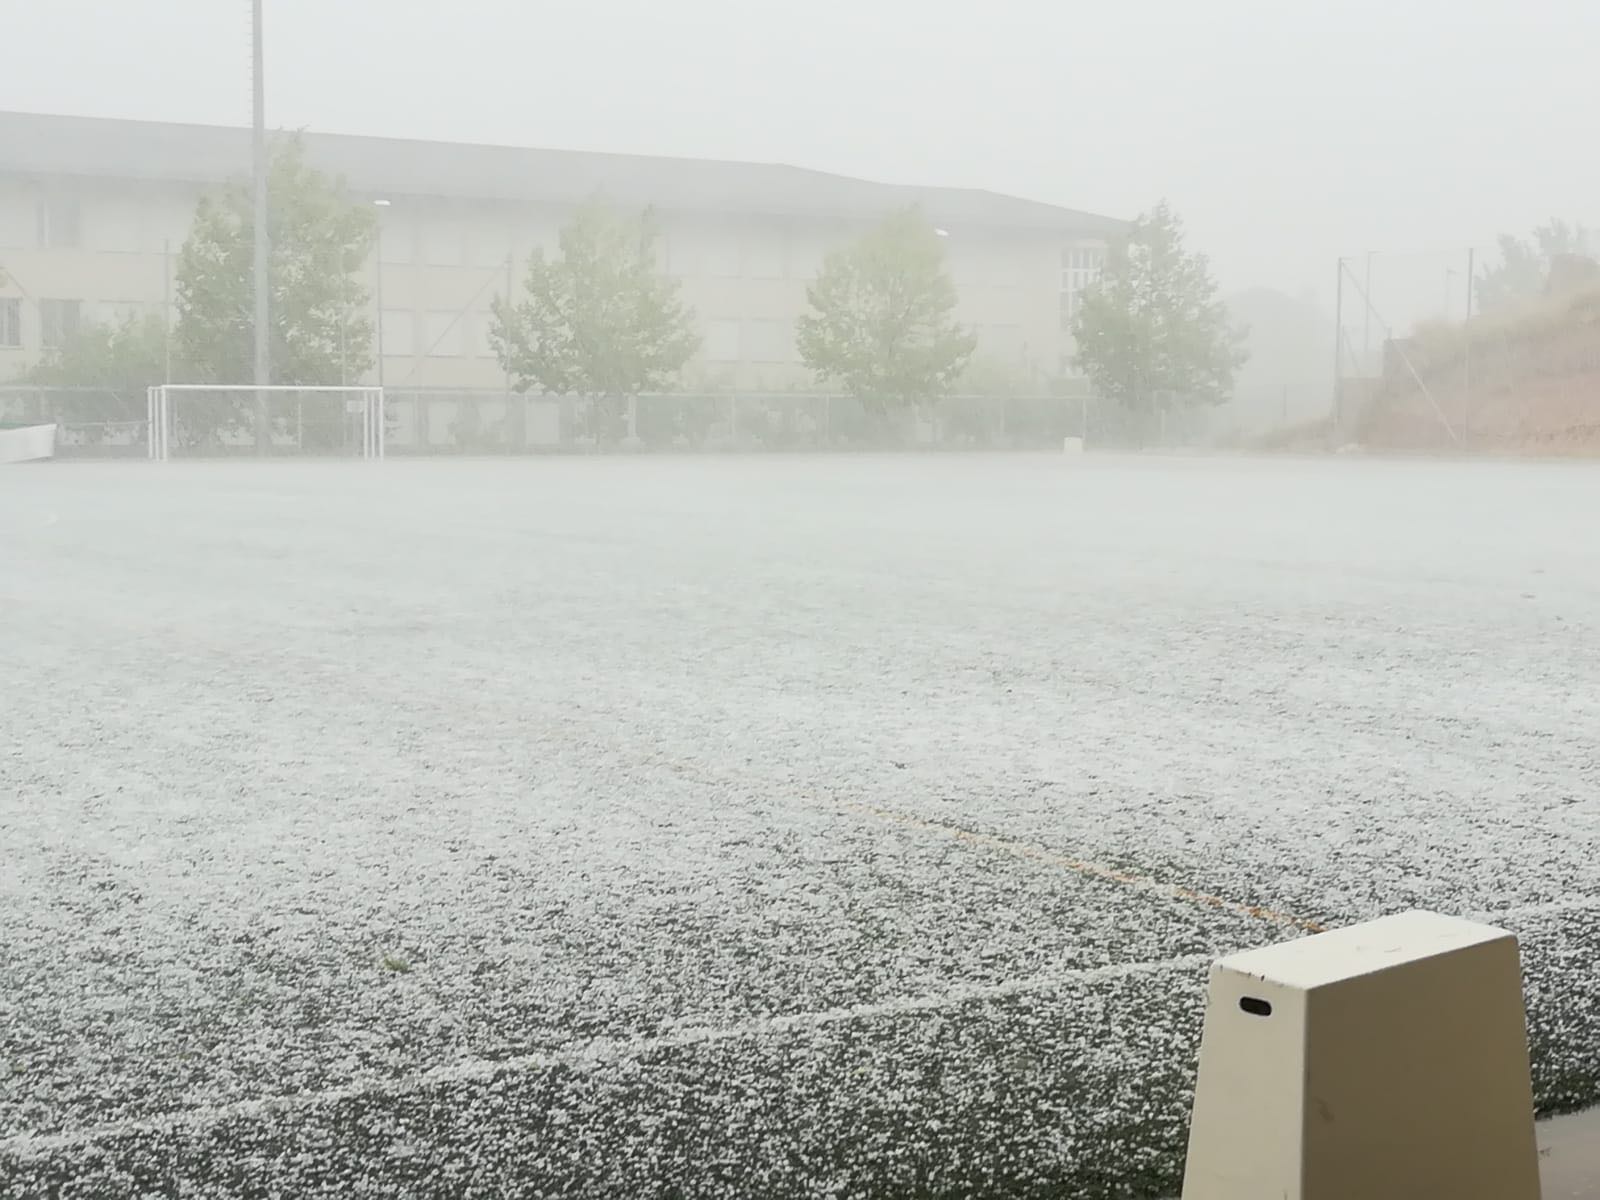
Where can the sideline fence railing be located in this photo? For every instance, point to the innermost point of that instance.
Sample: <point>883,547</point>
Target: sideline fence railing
<point>111,422</point>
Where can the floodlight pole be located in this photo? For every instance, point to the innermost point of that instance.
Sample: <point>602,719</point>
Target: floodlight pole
<point>263,362</point>
<point>1366,322</point>
<point>1466,349</point>
<point>1338,352</point>
<point>377,290</point>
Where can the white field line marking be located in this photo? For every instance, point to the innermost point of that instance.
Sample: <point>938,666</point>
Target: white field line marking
<point>581,1056</point>
<point>1551,908</point>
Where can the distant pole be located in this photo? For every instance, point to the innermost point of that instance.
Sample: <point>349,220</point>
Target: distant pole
<point>166,310</point>
<point>1338,350</point>
<point>516,428</point>
<point>1466,355</point>
<point>377,294</point>
<point>1366,324</point>
<point>377,290</point>
<point>263,363</point>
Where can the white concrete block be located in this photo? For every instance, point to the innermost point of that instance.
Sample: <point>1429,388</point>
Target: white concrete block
<point>1072,445</point>
<point>27,443</point>
<point>1384,1061</point>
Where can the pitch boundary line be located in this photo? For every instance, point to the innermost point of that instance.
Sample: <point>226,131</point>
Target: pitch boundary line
<point>1549,908</point>
<point>582,1056</point>
<point>598,1051</point>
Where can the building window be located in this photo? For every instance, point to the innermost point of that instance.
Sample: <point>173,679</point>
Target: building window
<point>58,321</point>
<point>399,333</point>
<point>117,225</point>
<point>1080,269</point>
<point>395,241</point>
<point>764,252</point>
<point>1069,310</point>
<point>1082,260</point>
<point>60,222</point>
<point>722,339</point>
<point>441,244</point>
<point>683,254</point>
<point>722,257</point>
<point>767,341</point>
<point>17,222</point>
<point>10,324</point>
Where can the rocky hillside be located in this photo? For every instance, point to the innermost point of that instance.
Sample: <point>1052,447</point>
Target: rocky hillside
<point>1526,381</point>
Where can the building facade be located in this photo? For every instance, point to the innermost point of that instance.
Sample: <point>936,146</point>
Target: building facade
<point>93,213</point>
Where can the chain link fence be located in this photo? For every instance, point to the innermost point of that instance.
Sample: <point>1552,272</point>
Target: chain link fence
<point>443,422</point>
<point>90,422</point>
<point>108,422</point>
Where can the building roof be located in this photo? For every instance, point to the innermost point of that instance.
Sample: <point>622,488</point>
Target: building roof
<point>49,145</point>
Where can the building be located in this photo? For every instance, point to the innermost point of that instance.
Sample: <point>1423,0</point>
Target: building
<point>93,212</point>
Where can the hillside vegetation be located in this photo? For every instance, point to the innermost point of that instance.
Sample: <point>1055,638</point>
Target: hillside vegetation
<point>1523,379</point>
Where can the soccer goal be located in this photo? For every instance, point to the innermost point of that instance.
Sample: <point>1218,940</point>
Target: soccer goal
<point>207,420</point>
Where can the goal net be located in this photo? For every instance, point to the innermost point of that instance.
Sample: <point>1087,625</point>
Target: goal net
<point>209,420</point>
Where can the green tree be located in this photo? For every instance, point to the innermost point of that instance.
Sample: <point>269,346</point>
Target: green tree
<point>129,355</point>
<point>1524,266</point>
<point>1151,334</point>
<point>320,242</point>
<point>598,321</point>
<point>105,369</point>
<point>881,325</point>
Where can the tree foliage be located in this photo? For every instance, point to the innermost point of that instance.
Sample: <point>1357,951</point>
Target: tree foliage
<point>881,324</point>
<point>599,320</point>
<point>319,243</point>
<point>1152,333</point>
<point>106,369</point>
<point>126,356</point>
<point>986,375</point>
<point>1524,266</point>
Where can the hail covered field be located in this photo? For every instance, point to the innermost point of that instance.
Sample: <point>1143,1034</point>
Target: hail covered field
<point>748,827</point>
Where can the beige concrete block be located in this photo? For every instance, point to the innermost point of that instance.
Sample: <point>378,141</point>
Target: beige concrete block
<point>27,444</point>
<point>1384,1061</point>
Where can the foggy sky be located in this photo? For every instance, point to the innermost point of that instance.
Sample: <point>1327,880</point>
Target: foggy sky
<point>1285,132</point>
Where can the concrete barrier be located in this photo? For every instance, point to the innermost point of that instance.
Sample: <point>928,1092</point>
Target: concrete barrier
<point>1384,1061</point>
<point>27,443</point>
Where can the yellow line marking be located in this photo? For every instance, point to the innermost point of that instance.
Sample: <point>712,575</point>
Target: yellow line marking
<point>1083,867</point>
<point>1094,870</point>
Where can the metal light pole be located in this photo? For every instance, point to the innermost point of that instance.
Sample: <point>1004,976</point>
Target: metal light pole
<point>1366,322</point>
<point>263,362</point>
<point>1338,351</point>
<point>378,288</point>
<point>1466,349</point>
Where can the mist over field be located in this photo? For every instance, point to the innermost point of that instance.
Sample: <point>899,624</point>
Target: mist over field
<point>692,600</point>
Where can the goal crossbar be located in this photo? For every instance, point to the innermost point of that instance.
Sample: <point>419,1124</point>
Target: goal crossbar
<point>159,410</point>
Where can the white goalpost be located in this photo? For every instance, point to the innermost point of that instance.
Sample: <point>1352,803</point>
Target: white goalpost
<point>218,419</point>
